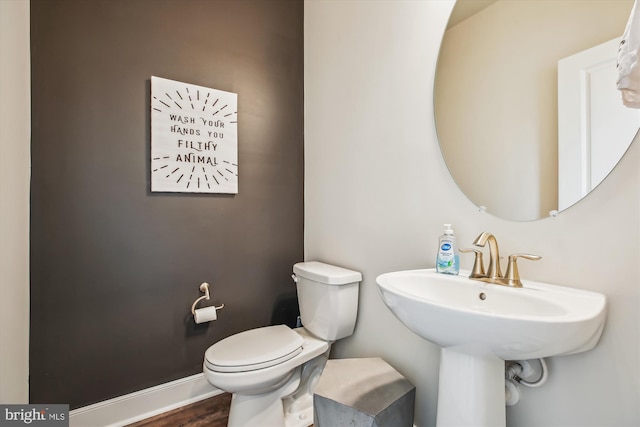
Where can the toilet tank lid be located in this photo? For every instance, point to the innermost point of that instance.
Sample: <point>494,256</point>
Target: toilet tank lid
<point>326,273</point>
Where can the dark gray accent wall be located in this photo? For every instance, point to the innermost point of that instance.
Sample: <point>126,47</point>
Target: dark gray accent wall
<point>114,267</point>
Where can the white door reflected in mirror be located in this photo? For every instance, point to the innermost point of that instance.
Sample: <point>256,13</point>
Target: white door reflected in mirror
<point>594,127</point>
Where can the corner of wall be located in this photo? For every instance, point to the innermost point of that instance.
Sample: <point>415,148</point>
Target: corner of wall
<point>15,124</point>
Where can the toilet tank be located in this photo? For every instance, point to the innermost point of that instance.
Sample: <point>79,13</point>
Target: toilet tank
<point>328,299</point>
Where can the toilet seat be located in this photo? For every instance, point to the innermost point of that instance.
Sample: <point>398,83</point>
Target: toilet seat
<point>254,349</point>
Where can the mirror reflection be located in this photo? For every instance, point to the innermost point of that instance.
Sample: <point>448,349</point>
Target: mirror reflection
<point>508,74</point>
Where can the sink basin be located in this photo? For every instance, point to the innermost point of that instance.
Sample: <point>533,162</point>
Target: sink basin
<point>538,320</point>
<point>479,325</point>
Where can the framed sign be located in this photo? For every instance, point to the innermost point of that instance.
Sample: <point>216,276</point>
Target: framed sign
<point>194,138</point>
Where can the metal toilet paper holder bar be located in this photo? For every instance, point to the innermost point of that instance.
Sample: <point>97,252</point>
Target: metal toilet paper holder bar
<point>203,288</point>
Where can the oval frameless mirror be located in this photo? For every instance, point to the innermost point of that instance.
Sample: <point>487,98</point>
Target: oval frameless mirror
<point>508,75</point>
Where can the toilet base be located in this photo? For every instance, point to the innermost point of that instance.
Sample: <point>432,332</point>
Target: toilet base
<point>298,407</point>
<point>288,406</point>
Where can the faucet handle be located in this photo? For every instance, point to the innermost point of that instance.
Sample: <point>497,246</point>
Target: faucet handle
<point>512,276</point>
<point>478,264</point>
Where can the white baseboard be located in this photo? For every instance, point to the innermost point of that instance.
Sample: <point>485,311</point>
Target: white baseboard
<point>142,404</point>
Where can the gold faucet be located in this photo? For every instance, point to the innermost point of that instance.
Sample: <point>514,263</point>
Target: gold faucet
<point>494,273</point>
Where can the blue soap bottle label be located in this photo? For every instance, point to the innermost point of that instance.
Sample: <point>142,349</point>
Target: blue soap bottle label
<point>448,260</point>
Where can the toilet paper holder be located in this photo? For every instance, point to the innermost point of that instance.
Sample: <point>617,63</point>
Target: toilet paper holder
<point>204,287</point>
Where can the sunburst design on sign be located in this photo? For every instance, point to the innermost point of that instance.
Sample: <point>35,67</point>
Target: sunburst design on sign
<point>194,139</point>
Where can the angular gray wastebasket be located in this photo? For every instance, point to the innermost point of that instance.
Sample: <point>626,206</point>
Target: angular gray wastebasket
<point>364,392</point>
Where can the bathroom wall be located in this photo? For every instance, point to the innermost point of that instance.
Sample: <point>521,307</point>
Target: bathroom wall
<point>14,201</point>
<point>369,69</point>
<point>114,267</point>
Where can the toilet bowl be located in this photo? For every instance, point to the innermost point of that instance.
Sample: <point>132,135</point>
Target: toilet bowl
<point>272,371</point>
<point>261,379</point>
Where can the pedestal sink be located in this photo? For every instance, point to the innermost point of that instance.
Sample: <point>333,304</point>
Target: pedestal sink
<point>480,325</point>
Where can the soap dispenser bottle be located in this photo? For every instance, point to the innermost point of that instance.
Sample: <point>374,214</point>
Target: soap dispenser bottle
<point>448,258</point>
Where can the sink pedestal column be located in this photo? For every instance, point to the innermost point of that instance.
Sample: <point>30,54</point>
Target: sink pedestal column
<point>470,390</point>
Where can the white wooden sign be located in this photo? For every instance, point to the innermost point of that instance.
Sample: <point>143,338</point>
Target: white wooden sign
<point>194,138</point>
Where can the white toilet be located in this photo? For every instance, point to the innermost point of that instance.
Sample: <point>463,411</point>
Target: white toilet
<point>272,371</point>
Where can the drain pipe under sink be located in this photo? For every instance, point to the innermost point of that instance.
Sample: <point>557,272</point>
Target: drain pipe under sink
<point>529,373</point>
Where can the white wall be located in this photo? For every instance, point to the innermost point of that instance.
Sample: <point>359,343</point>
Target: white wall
<point>377,193</point>
<point>15,128</point>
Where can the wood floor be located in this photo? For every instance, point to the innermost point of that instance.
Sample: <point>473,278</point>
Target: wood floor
<point>212,412</point>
